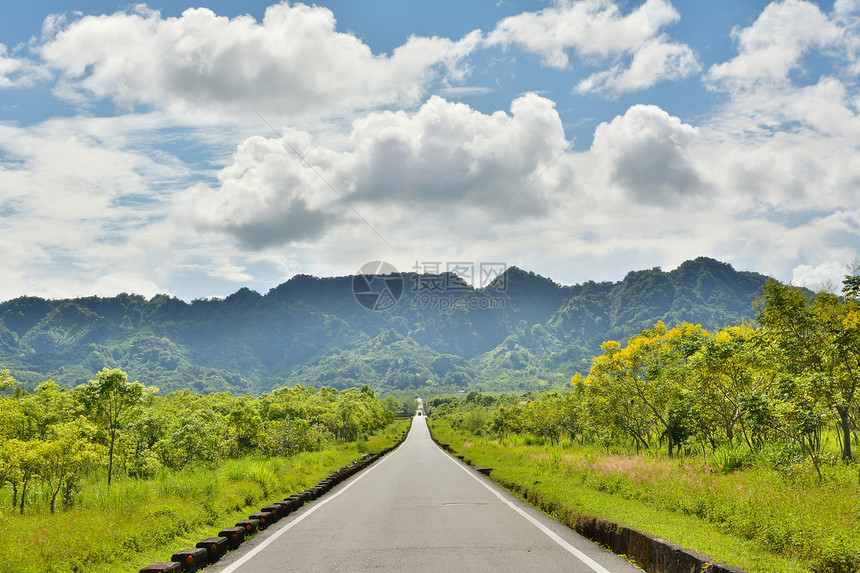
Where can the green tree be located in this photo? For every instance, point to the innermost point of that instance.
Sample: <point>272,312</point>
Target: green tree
<point>6,380</point>
<point>11,454</point>
<point>65,457</point>
<point>143,433</point>
<point>609,410</point>
<point>820,340</point>
<point>245,424</point>
<point>29,466</point>
<point>851,282</point>
<point>197,439</point>
<point>797,415</point>
<point>111,400</point>
<point>49,406</point>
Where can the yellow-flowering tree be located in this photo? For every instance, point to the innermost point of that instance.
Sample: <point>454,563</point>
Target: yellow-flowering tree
<point>647,377</point>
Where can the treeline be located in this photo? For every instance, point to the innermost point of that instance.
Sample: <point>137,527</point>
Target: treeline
<point>776,386</point>
<point>52,439</point>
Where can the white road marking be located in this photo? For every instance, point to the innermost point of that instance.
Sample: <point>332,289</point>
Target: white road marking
<point>595,566</point>
<point>248,556</point>
<point>588,561</point>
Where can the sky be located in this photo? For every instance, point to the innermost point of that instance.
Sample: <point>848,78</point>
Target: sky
<point>195,149</point>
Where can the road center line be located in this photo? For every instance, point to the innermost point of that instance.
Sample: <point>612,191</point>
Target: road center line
<point>245,558</point>
<point>595,566</point>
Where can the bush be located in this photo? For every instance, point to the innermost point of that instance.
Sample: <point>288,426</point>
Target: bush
<point>475,422</point>
<point>730,458</point>
<point>782,456</point>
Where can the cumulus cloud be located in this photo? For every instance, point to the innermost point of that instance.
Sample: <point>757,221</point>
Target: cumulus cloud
<point>442,156</point>
<point>767,180</point>
<point>447,152</point>
<point>816,277</point>
<point>596,30</point>
<point>109,284</point>
<point>646,153</point>
<point>292,62</point>
<point>846,7</point>
<point>269,195</point>
<point>774,45</point>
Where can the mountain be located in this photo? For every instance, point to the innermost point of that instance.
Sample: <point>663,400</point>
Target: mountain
<point>521,332</point>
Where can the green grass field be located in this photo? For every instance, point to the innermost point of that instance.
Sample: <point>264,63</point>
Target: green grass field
<point>137,522</point>
<point>756,518</point>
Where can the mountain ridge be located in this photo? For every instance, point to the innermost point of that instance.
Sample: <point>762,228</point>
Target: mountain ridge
<point>522,331</point>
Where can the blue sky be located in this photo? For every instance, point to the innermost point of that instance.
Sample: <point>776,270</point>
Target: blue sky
<point>197,149</point>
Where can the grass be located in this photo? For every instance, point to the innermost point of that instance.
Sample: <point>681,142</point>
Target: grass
<point>137,522</point>
<point>759,519</point>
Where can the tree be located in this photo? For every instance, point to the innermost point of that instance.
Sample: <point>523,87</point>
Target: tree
<point>798,416</point>
<point>6,380</point>
<point>196,439</point>
<point>610,410</point>
<point>111,399</point>
<point>65,457</point>
<point>11,454</point>
<point>29,466</point>
<point>820,339</point>
<point>47,407</point>
<point>546,416</point>
<point>851,282</point>
<point>733,363</point>
<point>650,372</point>
<point>245,424</point>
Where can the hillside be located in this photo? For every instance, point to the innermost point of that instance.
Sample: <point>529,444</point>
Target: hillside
<point>523,331</point>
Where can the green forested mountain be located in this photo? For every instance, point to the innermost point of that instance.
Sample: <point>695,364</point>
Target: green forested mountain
<point>522,331</point>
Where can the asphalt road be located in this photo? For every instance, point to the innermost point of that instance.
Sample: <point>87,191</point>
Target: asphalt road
<point>419,509</point>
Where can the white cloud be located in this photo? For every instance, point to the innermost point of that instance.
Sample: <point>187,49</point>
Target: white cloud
<point>651,187</point>
<point>231,272</point>
<point>447,152</point>
<point>784,152</point>
<point>18,72</point>
<point>112,283</point>
<point>443,156</point>
<point>75,200</point>
<point>767,180</point>
<point>825,275</point>
<point>588,27</point>
<point>268,195</point>
<point>846,14</point>
<point>655,61</point>
<point>596,30</point>
<point>775,44</point>
<point>846,7</point>
<point>293,62</point>
<point>646,153</point>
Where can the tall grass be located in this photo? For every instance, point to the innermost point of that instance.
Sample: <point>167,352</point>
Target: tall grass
<point>135,522</point>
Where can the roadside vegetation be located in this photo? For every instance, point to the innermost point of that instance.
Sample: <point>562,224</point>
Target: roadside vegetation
<point>739,443</point>
<point>109,476</point>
